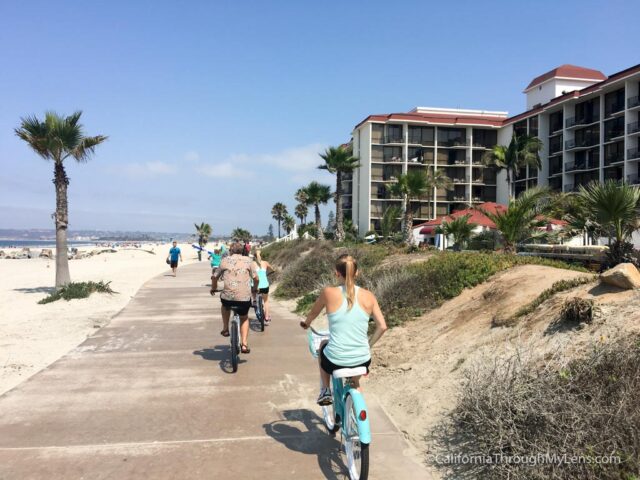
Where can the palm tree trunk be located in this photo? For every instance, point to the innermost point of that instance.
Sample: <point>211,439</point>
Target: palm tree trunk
<point>408,224</point>
<point>61,218</point>
<point>319,232</point>
<point>509,184</point>
<point>339,212</point>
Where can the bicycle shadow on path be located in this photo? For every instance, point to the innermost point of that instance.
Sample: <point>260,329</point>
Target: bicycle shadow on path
<point>311,439</point>
<point>221,354</point>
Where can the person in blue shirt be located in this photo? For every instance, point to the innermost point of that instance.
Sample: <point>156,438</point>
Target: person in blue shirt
<point>174,255</point>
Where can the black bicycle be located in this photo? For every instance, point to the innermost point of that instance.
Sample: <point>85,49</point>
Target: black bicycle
<point>234,338</point>
<point>260,315</point>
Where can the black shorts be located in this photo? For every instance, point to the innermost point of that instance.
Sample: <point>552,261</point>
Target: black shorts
<point>242,307</point>
<point>264,290</point>
<point>328,366</point>
<point>174,264</point>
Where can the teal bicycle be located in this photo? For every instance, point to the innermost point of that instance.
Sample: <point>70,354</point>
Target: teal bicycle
<point>348,411</point>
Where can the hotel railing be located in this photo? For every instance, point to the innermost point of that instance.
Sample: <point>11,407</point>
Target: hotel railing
<point>586,142</point>
<point>633,127</point>
<point>462,142</point>
<point>576,121</point>
<point>633,101</point>
<point>613,158</point>
<point>392,139</point>
<point>588,165</point>
<point>633,153</point>
<point>608,135</point>
<point>633,179</point>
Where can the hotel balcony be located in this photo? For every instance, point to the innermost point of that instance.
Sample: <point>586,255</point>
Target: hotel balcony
<point>633,102</point>
<point>633,179</point>
<point>456,197</point>
<point>633,128</point>
<point>575,122</point>
<point>584,165</point>
<point>613,135</point>
<point>580,144</point>
<point>555,169</point>
<point>392,139</point>
<point>613,109</point>
<point>458,142</point>
<point>475,180</point>
<point>614,157</point>
<point>633,153</point>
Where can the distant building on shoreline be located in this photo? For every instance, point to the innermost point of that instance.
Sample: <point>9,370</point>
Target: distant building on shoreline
<point>589,124</point>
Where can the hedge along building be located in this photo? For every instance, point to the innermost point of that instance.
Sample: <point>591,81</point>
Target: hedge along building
<point>589,125</point>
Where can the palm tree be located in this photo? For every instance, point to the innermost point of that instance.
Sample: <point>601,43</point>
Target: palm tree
<point>318,194</point>
<point>301,212</point>
<point>460,229</point>
<point>203,232</point>
<point>278,212</point>
<point>288,223</point>
<point>437,179</point>
<point>522,151</point>
<point>409,187</point>
<point>615,209</point>
<point>241,234</point>
<point>389,221</point>
<point>519,222</point>
<point>340,161</point>
<point>58,138</point>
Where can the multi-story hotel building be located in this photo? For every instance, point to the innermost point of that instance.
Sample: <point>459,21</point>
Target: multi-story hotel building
<point>589,124</point>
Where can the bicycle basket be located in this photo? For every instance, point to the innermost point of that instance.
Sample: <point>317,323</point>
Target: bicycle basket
<point>315,340</point>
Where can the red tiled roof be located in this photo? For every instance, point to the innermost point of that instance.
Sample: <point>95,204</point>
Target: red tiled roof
<point>435,119</point>
<point>475,216</point>
<point>568,71</point>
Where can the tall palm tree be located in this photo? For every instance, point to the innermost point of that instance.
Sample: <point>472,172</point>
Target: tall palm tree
<point>437,179</point>
<point>615,208</point>
<point>58,138</point>
<point>301,212</point>
<point>289,223</point>
<point>521,219</point>
<point>318,194</point>
<point>523,150</point>
<point>460,229</point>
<point>203,232</point>
<point>409,187</point>
<point>278,212</point>
<point>339,161</point>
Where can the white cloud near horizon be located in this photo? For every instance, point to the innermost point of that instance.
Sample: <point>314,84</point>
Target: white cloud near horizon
<point>223,170</point>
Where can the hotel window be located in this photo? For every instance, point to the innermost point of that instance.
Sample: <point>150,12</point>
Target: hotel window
<point>614,102</point>
<point>520,128</point>
<point>484,138</point>
<point>394,133</point>
<point>377,132</point>
<point>449,137</point>
<point>533,126</point>
<point>588,112</point>
<point>555,122</point>
<point>421,135</point>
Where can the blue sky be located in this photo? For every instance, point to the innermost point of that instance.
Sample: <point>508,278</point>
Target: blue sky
<point>216,110</point>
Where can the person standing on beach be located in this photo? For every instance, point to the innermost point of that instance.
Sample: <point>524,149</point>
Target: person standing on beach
<point>174,255</point>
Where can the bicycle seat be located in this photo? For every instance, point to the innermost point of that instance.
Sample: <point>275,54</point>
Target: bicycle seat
<point>349,372</point>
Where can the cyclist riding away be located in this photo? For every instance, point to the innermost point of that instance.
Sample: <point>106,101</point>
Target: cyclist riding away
<point>264,270</point>
<point>348,308</point>
<point>237,272</point>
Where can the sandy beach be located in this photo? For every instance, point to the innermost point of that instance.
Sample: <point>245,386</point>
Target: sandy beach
<point>33,336</point>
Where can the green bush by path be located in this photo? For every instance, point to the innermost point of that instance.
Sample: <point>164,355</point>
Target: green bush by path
<point>77,290</point>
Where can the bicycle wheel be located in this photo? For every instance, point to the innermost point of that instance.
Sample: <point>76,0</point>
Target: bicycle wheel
<point>235,342</point>
<point>260,312</point>
<point>329,417</point>
<point>357,453</point>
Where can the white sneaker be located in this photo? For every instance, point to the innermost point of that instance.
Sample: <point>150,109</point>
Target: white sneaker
<point>325,397</point>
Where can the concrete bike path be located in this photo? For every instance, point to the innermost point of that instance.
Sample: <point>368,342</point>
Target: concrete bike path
<point>151,396</point>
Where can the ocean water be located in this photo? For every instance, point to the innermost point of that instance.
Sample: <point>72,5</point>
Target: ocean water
<point>41,243</point>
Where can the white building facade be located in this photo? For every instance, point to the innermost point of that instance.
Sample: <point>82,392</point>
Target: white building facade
<point>589,125</point>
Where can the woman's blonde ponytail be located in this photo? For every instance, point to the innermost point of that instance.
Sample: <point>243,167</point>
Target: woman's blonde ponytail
<point>347,267</point>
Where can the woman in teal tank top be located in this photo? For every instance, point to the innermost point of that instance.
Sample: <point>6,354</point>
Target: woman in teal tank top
<point>264,270</point>
<point>349,309</point>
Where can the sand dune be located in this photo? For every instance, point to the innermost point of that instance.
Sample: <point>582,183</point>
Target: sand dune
<point>33,336</point>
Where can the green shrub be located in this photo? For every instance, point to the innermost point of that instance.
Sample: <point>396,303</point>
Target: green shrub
<point>304,304</point>
<point>308,272</point>
<point>77,290</point>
